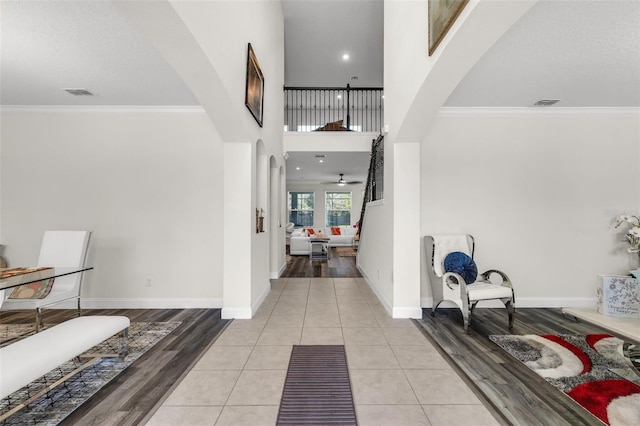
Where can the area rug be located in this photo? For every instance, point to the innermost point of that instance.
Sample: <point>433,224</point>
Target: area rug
<point>317,389</point>
<point>347,251</point>
<point>58,403</point>
<point>592,370</point>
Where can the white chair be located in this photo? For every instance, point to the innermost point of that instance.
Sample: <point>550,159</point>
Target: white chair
<point>59,249</point>
<point>452,287</point>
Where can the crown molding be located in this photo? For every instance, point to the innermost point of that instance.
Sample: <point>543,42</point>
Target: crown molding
<point>619,111</point>
<point>99,110</point>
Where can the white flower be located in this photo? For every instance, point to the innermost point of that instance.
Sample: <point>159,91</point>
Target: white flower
<point>632,237</point>
<point>635,232</point>
<point>634,220</point>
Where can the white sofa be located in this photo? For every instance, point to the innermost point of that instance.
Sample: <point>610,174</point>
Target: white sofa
<point>299,242</point>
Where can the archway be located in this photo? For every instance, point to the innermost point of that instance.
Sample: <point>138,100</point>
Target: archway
<point>275,224</point>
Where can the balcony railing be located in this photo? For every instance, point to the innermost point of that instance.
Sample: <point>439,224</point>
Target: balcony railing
<point>309,109</point>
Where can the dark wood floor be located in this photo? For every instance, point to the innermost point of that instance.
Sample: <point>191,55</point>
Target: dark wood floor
<point>133,396</point>
<point>336,266</point>
<point>521,396</point>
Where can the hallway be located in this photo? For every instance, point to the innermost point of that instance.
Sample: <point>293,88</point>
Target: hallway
<point>397,376</point>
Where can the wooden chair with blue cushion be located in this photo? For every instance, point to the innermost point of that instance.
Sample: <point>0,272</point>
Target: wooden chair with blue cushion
<point>454,277</point>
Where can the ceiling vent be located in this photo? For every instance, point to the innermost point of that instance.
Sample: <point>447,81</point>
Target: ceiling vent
<point>320,156</point>
<point>547,102</point>
<point>79,92</point>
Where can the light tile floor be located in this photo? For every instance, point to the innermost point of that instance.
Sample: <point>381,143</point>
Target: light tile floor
<point>397,376</point>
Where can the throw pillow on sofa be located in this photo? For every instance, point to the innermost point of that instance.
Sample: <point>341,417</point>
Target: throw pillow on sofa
<point>335,231</point>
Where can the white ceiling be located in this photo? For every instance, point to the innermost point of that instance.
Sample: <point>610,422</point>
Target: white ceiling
<point>51,45</point>
<point>317,34</point>
<point>354,165</point>
<point>586,53</point>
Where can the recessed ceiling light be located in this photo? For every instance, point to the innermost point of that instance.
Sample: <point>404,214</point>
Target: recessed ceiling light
<point>320,161</point>
<point>345,57</point>
<point>297,168</point>
<point>339,96</point>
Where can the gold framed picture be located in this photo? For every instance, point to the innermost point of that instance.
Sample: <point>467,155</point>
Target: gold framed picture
<point>254,93</point>
<point>442,15</point>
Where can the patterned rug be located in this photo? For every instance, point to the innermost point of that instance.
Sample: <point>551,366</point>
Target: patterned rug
<point>58,403</point>
<point>591,369</point>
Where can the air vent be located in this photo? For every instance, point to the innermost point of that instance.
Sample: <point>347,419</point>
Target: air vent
<point>320,156</point>
<point>79,92</point>
<point>547,102</point>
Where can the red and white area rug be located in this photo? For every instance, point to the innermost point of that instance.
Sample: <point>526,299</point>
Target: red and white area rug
<point>591,369</point>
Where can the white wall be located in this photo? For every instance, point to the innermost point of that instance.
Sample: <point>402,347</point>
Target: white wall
<point>148,186</point>
<point>539,191</point>
<point>319,214</point>
<point>155,198</point>
<point>328,141</point>
<point>223,29</point>
<point>411,101</point>
<point>374,259</point>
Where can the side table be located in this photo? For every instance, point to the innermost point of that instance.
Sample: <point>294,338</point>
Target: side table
<point>319,249</point>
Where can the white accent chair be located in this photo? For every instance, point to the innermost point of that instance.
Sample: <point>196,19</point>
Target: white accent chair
<point>59,249</point>
<point>452,287</point>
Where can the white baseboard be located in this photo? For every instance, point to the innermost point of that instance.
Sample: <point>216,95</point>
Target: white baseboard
<point>276,275</point>
<point>236,313</point>
<point>143,304</point>
<point>525,302</point>
<point>387,306</point>
<point>407,313</point>
<point>260,299</point>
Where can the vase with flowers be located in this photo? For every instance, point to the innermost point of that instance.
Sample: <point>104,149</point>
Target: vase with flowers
<point>632,237</point>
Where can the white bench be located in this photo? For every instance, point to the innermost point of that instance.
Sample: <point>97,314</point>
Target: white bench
<point>24,361</point>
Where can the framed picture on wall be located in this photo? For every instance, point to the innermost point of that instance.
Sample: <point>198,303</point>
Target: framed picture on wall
<point>442,15</point>
<point>254,93</point>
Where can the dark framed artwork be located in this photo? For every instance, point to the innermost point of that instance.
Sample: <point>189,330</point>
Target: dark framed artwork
<point>442,15</point>
<point>254,94</point>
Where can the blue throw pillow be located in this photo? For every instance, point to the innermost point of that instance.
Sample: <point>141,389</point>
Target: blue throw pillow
<point>462,264</point>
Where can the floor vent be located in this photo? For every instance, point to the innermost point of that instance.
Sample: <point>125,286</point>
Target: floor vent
<point>317,390</point>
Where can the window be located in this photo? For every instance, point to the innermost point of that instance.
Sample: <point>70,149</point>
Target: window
<point>338,208</point>
<point>301,208</point>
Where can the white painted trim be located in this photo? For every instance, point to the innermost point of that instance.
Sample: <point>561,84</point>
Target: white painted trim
<point>387,306</point>
<point>236,313</point>
<point>407,313</point>
<point>100,109</point>
<point>282,269</point>
<point>466,111</point>
<point>142,304</point>
<point>375,203</point>
<point>260,299</point>
<point>525,302</point>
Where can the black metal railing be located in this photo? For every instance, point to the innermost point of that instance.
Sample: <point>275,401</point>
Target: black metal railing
<point>374,188</point>
<point>308,109</point>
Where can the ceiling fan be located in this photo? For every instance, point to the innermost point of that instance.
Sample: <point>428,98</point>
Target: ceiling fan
<point>342,182</point>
